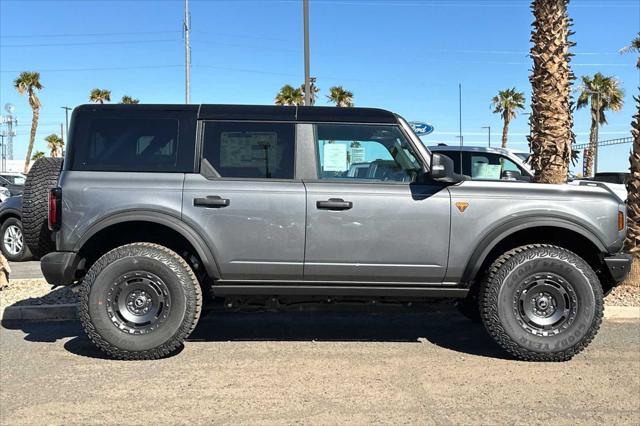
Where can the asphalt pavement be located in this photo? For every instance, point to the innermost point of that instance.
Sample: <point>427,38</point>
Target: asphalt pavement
<point>318,367</point>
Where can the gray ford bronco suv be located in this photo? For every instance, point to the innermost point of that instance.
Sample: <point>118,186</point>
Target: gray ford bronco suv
<point>158,205</point>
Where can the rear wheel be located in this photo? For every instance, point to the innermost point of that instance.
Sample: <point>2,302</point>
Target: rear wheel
<point>140,301</point>
<point>541,303</point>
<point>12,241</point>
<point>42,176</point>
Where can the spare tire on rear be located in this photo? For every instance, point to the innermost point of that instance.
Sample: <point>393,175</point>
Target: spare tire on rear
<point>42,176</point>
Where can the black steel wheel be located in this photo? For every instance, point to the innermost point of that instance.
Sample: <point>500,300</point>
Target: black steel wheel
<point>541,303</point>
<point>140,301</point>
<point>545,304</point>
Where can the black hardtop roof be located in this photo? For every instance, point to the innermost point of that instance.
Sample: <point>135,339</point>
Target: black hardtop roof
<point>260,112</point>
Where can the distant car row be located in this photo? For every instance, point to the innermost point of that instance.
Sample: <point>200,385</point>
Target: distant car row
<point>11,184</point>
<point>11,239</point>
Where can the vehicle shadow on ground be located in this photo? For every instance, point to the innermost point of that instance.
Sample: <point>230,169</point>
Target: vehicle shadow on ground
<point>444,328</point>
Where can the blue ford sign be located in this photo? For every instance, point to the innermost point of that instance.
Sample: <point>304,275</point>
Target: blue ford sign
<point>420,128</point>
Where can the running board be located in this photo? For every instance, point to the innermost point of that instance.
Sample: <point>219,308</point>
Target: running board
<point>324,290</point>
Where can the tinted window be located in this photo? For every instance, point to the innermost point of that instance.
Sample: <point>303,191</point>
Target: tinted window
<point>353,151</point>
<point>141,141</point>
<point>250,150</point>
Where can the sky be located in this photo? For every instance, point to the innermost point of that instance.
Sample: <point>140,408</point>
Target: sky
<point>407,56</point>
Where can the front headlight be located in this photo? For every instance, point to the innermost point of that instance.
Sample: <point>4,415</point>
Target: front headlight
<point>5,192</point>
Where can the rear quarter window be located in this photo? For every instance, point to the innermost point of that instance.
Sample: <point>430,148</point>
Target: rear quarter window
<point>159,142</point>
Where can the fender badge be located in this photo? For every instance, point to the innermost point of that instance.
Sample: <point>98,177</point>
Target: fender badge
<point>462,206</point>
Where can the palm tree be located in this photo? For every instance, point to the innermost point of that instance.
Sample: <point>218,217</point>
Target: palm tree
<point>55,144</point>
<point>633,187</point>
<point>507,103</point>
<point>100,96</point>
<point>29,82</point>
<point>551,121</point>
<point>633,47</point>
<point>36,155</point>
<point>288,95</point>
<point>129,100</point>
<point>340,96</point>
<point>603,93</point>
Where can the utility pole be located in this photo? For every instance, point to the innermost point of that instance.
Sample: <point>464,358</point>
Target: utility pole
<point>66,119</point>
<point>187,53</point>
<point>488,128</point>
<point>460,122</point>
<point>307,80</point>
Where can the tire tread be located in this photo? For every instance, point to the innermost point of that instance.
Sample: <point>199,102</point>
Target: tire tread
<point>178,265</point>
<point>492,283</point>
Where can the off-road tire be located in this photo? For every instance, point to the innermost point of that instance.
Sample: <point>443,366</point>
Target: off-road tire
<point>25,253</point>
<point>181,284</point>
<point>499,308</point>
<point>42,176</point>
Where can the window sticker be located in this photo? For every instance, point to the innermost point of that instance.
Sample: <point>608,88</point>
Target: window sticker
<point>486,171</point>
<point>335,157</point>
<point>357,155</point>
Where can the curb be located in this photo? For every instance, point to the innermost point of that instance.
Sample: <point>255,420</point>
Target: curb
<point>66,311</point>
<point>622,312</point>
<point>69,311</point>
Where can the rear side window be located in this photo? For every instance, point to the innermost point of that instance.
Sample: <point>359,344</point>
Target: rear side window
<point>250,150</point>
<point>137,144</point>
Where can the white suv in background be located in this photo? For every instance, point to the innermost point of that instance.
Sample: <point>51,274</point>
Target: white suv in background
<point>484,163</point>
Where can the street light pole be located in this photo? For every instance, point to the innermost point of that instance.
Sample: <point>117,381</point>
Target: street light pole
<point>187,54</point>
<point>489,129</point>
<point>307,80</point>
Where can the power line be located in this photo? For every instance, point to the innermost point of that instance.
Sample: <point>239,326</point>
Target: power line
<point>89,43</point>
<point>97,68</point>
<point>89,34</point>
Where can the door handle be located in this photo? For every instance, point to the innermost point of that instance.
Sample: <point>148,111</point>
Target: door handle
<point>334,204</point>
<point>211,201</point>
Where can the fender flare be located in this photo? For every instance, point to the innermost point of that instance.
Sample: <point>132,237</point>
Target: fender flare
<point>510,227</point>
<point>160,218</point>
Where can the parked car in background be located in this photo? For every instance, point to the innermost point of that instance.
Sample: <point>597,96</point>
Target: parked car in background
<point>15,186</point>
<point>12,242</point>
<point>612,177</point>
<point>4,193</point>
<point>483,163</point>
<point>14,177</point>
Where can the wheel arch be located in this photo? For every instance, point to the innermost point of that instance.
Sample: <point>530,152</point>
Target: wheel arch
<point>521,231</point>
<point>161,226</point>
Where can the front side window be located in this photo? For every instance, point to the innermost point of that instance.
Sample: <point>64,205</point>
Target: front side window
<point>250,150</point>
<point>365,152</point>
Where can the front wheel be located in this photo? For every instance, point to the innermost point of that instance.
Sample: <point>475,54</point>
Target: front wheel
<point>541,303</point>
<point>140,301</point>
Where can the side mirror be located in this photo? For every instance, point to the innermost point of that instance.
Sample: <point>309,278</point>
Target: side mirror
<point>442,169</point>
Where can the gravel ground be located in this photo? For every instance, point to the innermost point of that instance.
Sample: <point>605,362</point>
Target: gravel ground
<point>35,292</point>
